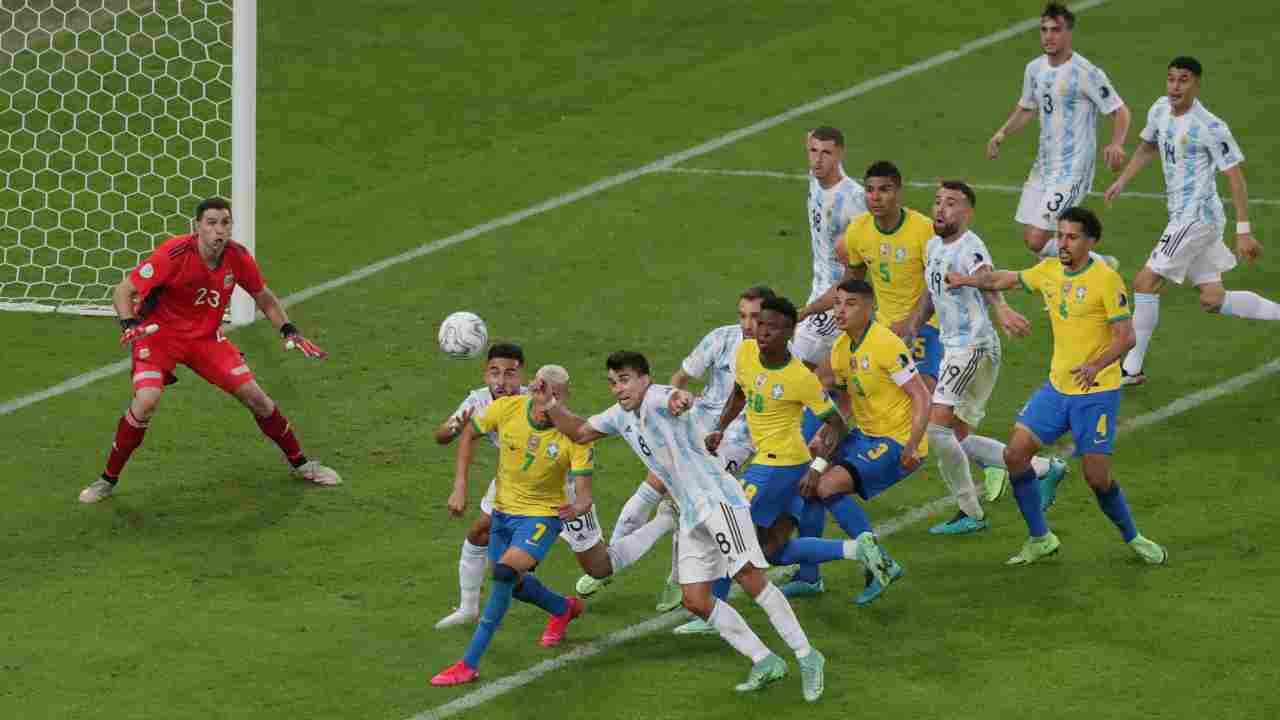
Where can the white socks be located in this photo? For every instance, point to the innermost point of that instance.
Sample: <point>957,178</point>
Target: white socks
<point>1249,305</point>
<point>631,548</point>
<point>954,465</point>
<point>472,566</point>
<point>1146,316</point>
<point>783,619</point>
<point>636,511</point>
<point>736,632</point>
<point>990,453</point>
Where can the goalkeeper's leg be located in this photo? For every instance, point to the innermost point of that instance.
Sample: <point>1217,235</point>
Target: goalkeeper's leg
<point>129,433</point>
<point>280,431</point>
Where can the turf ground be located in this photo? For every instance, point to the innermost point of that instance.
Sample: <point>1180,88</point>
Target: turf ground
<point>214,586</point>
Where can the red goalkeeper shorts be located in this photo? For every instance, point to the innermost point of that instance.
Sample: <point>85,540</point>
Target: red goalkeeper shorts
<point>215,359</point>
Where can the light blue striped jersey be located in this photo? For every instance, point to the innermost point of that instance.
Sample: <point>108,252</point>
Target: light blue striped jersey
<point>1193,147</point>
<point>714,359</point>
<point>672,447</point>
<point>962,312</point>
<point>830,210</point>
<point>1068,98</point>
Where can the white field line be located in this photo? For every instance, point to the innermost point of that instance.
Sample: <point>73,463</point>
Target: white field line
<point>1012,189</point>
<point>599,186</point>
<point>504,685</point>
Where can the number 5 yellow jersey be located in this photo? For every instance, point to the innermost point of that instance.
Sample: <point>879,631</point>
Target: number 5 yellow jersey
<point>895,261</point>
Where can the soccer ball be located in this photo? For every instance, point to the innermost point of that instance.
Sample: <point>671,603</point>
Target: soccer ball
<point>463,335</point>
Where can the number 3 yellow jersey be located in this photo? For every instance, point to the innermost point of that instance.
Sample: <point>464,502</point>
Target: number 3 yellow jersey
<point>872,369</point>
<point>533,460</point>
<point>1082,306</point>
<point>895,261</point>
<point>776,399</point>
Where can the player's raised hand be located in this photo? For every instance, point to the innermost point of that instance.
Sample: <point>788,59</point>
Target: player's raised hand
<point>457,422</point>
<point>679,402</point>
<point>993,145</point>
<point>132,329</point>
<point>1113,192</point>
<point>712,441</point>
<point>1084,375</point>
<point>1248,248</point>
<point>909,460</point>
<point>305,346</point>
<point>572,510</point>
<point>457,502</point>
<point>1013,322</point>
<point>808,486</point>
<point>1114,156</point>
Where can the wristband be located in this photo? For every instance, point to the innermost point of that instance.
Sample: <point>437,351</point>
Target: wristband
<point>129,323</point>
<point>819,465</point>
<point>288,329</point>
<point>1242,228</point>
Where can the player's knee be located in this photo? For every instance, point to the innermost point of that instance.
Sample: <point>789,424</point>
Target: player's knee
<point>503,572</point>
<point>478,537</point>
<point>144,403</point>
<point>1211,302</point>
<point>698,606</point>
<point>1015,459</point>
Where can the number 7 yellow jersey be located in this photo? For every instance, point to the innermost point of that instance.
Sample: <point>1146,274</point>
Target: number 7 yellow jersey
<point>533,459</point>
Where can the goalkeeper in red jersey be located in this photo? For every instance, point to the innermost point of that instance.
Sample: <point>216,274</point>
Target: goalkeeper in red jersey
<point>171,308</point>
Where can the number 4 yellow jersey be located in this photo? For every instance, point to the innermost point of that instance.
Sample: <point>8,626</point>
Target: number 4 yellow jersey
<point>895,261</point>
<point>776,399</point>
<point>533,460</point>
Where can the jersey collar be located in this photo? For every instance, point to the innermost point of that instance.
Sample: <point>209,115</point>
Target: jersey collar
<point>528,412</point>
<point>855,344</point>
<point>767,366</point>
<point>1081,271</point>
<point>902,220</point>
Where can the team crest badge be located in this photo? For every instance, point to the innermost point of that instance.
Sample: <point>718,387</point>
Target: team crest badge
<point>228,281</point>
<point>776,392</point>
<point>900,254</point>
<point>553,450</point>
<point>147,270</point>
<point>761,379</point>
<point>1081,292</point>
<point>144,353</point>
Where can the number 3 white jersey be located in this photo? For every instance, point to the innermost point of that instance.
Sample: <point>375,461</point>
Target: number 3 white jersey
<point>1192,147</point>
<point>476,401</point>
<point>1068,98</point>
<point>830,210</point>
<point>672,447</point>
<point>962,312</point>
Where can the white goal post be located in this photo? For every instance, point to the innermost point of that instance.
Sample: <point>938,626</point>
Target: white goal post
<point>116,118</point>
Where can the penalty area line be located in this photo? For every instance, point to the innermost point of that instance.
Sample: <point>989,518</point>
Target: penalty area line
<point>895,524</point>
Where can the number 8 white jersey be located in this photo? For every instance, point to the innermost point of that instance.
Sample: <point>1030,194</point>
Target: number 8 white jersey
<point>672,447</point>
<point>1068,98</point>
<point>962,312</point>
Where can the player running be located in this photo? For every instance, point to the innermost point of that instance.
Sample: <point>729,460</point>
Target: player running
<point>1092,330</point>
<point>1193,144</point>
<point>1067,92</point>
<point>971,362</point>
<point>170,309</point>
<point>716,535</point>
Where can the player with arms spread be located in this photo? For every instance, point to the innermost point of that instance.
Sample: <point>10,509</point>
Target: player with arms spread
<point>1193,145</point>
<point>1067,92</point>
<point>170,309</point>
<point>715,522</point>
<point>1092,330</point>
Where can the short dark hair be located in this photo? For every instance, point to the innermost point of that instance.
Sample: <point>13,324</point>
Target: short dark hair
<point>1089,222</point>
<point>826,133</point>
<point>854,286</point>
<point>213,203</point>
<point>508,351</point>
<point>885,169</point>
<point>1058,10</point>
<point>627,360</point>
<point>757,292</point>
<point>963,187</point>
<point>782,306</point>
<point>1188,63</point>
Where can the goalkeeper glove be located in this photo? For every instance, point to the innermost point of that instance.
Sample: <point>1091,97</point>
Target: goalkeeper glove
<point>293,340</point>
<point>133,329</point>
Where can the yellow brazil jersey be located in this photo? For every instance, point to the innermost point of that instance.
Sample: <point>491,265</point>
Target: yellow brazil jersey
<point>895,261</point>
<point>1082,306</point>
<point>776,399</point>
<point>533,460</point>
<point>869,369</point>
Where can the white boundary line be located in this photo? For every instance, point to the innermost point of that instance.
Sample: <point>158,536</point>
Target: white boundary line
<point>599,186</point>
<point>1013,189</point>
<point>506,684</point>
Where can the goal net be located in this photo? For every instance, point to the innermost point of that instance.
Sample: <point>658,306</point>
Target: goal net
<point>115,121</point>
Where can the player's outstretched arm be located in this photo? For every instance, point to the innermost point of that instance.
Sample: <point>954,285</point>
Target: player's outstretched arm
<point>1014,323</point>
<point>271,308</point>
<point>1247,246</point>
<point>452,427</point>
<point>1113,153</point>
<point>1141,156</point>
<point>125,298</point>
<point>461,470</point>
<point>1018,119</point>
<point>993,280</point>
<point>575,428</point>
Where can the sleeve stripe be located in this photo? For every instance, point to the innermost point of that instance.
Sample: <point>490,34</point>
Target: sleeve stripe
<point>826,413</point>
<point>580,473</point>
<point>1118,318</point>
<point>476,424</point>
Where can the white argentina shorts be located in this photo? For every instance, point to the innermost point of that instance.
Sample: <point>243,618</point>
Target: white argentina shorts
<point>966,379</point>
<point>723,545</point>
<point>581,533</point>
<point>1041,204</point>
<point>1191,252</point>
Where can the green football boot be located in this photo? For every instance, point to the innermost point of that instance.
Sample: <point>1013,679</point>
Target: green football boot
<point>1035,549</point>
<point>762,673</point>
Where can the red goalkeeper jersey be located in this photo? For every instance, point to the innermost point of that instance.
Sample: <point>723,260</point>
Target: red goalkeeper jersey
<point>181,293</point>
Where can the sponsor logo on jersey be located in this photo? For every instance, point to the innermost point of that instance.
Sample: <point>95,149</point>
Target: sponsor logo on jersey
<point>1123,300</point>
<point>144,353</point>
<point>761,379</point>
<point>776,392</point>
<point>1105,92</point>
<point>147,271</point>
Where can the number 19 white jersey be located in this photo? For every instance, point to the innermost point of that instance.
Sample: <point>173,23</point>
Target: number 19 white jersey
<point>1192,148</point>
<point>962,312</point>
<point>830,210</point>
<point>672,448</point>
<point>1068,98</point>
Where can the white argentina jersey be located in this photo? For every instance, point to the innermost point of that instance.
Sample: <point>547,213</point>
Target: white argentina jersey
<point>1068,98</point>
<point>830,211</point>
<point>1192,147</point>
<point>962,312</point>
<point>672,447</point>
<point>716,354</point>
<point>476,401</point>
